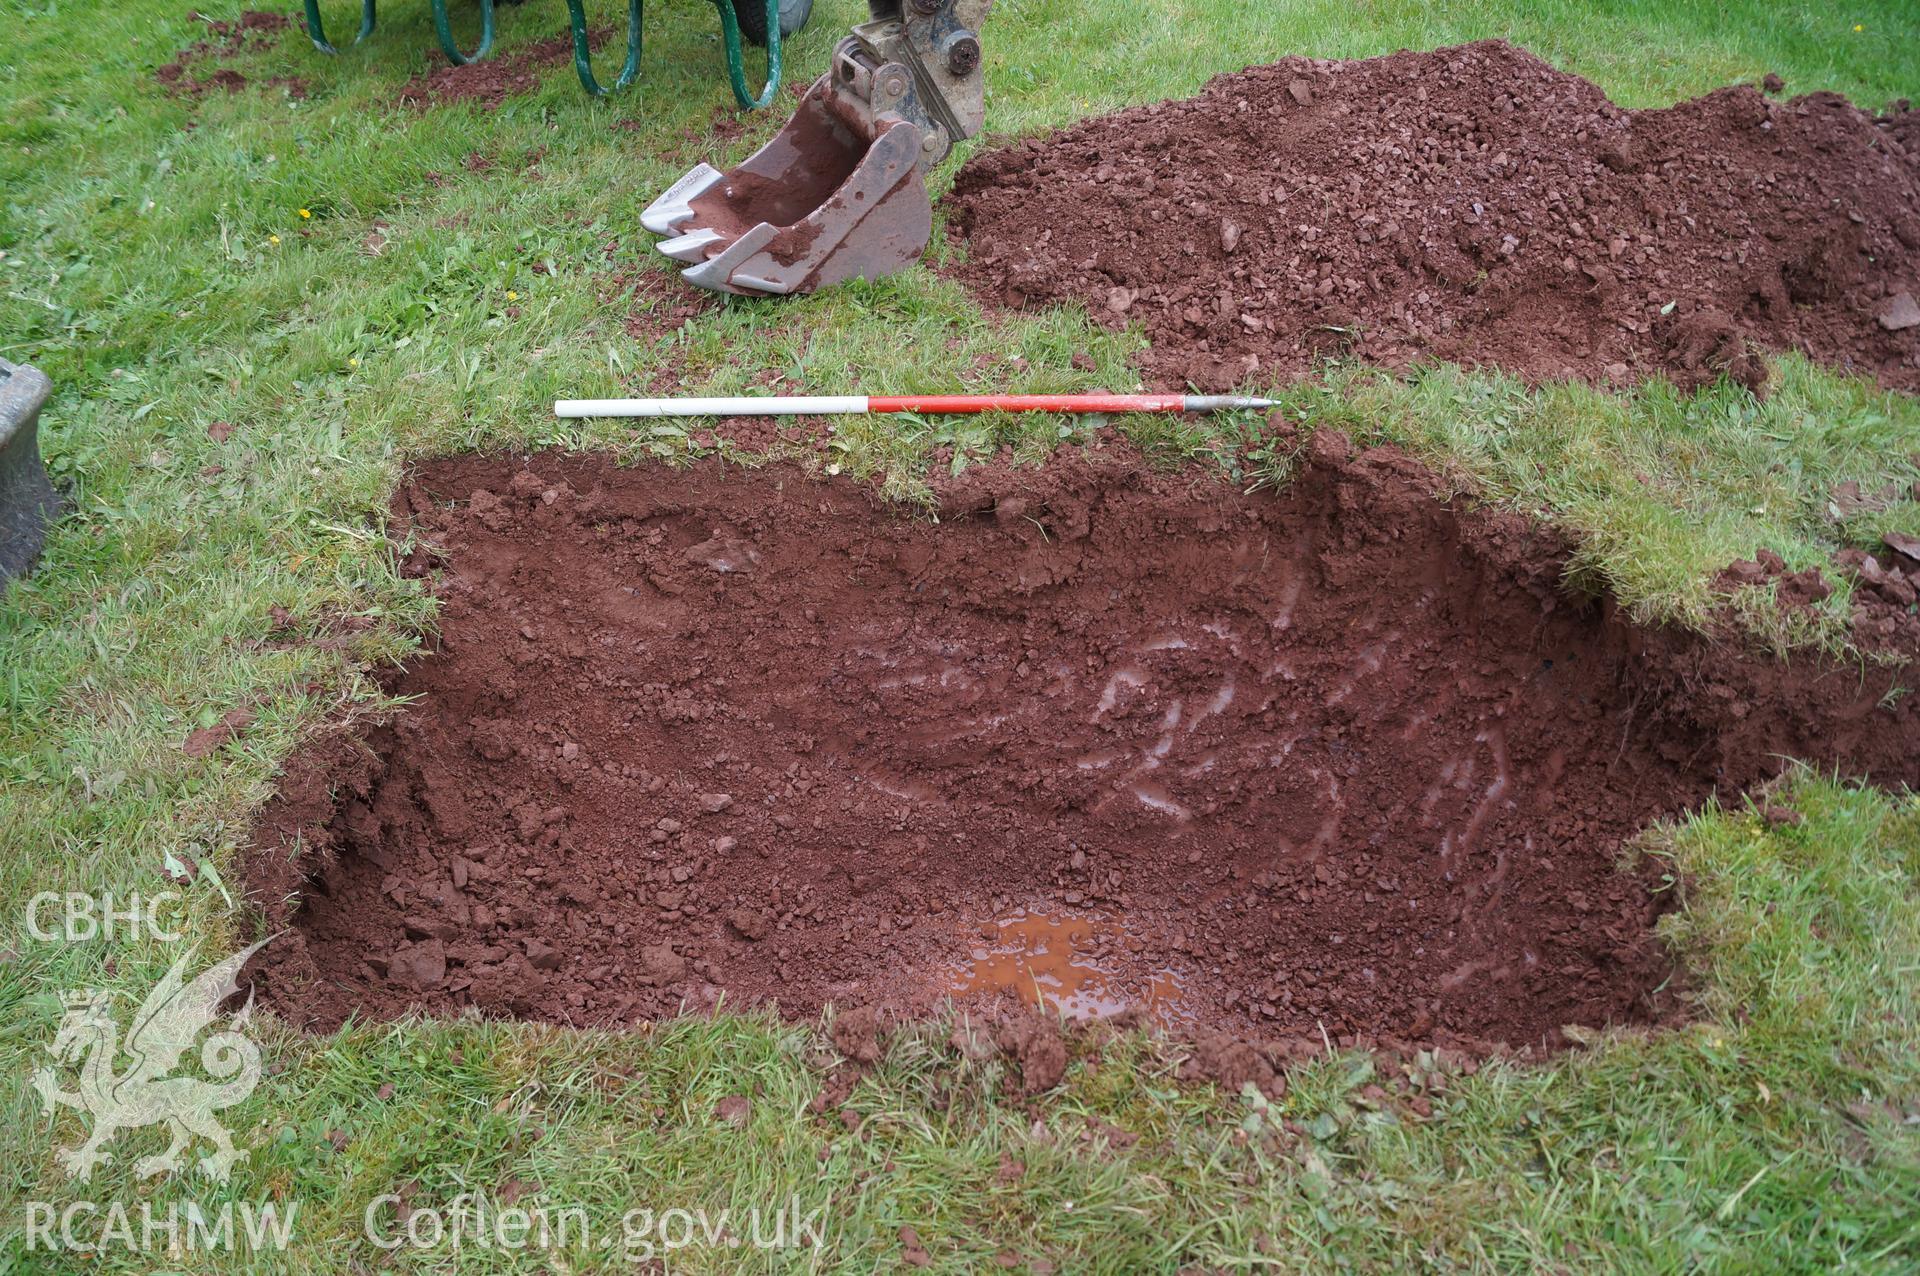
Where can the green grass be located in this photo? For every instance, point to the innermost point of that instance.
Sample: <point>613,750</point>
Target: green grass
<point>142,273</point>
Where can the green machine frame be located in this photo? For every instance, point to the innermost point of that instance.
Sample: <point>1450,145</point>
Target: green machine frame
<point>582,54</point>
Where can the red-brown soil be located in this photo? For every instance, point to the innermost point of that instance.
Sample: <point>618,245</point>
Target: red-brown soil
<point>1470,204</point>
<point>492,80</point>
<point>1886,587</point>
<point>253,29</point>
<point>1343,757</point>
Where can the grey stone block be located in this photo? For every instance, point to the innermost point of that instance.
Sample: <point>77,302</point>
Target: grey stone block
<point>27,499</point>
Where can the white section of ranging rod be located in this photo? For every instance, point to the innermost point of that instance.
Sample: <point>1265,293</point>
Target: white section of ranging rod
<point>764,405</point>
<point>807,405</point>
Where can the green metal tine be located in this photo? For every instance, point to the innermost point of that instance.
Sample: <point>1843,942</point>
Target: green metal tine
<point>443,28</point>
<point>317,31</point>
<point>736,59</point>
<point>583,53</point>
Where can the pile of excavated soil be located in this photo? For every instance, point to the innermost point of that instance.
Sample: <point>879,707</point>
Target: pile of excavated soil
<point>1343,757</point>
<point>1470,204</point>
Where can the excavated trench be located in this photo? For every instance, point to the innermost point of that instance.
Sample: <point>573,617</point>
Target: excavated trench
<point>1344,757</point>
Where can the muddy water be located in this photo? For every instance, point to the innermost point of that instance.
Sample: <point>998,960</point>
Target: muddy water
<point>1077,965</point>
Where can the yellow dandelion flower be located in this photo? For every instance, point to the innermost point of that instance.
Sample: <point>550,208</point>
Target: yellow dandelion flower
<point>1859,26</point>
<point>353,363</point>
<point>273,239</point>
<point>512,295</point>
<point>304,214</point>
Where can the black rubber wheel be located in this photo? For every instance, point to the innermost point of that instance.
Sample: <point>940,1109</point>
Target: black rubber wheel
<point>753,18</point>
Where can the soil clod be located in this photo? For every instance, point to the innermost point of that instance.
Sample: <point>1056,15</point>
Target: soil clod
<point>1033,1042</point>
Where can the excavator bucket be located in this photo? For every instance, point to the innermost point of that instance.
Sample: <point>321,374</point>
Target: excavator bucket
<point>840,192</point>
<point>817,205</point>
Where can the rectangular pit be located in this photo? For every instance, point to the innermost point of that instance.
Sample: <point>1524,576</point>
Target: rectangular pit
<point>1342,757</point>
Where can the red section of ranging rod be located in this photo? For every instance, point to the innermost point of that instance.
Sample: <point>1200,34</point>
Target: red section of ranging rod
<point>1026,403</point>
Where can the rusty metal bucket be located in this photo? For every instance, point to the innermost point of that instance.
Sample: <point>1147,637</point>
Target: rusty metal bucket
<point>840,192</point>
<point>817,205</point>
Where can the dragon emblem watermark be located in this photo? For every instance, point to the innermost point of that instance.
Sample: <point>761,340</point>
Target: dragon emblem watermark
<point>143,1093</point>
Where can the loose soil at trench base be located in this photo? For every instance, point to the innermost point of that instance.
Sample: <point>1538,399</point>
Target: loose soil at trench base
<point>1345,757</point>
<point>1470,204</point>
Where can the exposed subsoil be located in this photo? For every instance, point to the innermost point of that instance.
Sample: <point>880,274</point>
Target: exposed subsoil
<point>1344,757</point>
<point>493,80</point>
<point>1886,587</point>
<point>1470,204</point>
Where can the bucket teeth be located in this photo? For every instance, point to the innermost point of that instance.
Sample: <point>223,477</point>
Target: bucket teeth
<point>691,246</point>
<point>665,216</point>
<point>731,271</point>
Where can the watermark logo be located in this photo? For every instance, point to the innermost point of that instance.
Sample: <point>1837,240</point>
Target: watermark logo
<point>473,1221</point>
<point>145,1092</point>
<point>71,917</point>
<point>151,1227</point>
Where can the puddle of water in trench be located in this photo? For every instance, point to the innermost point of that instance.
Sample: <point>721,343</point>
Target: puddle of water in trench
<point>1063,961</point>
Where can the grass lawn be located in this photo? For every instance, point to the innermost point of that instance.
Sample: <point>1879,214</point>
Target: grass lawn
<point>352,283</point>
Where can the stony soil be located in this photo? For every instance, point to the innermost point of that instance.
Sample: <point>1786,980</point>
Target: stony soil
<point>1886,587</point>
<point>1344,757</point>
<point>1470,204</point>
